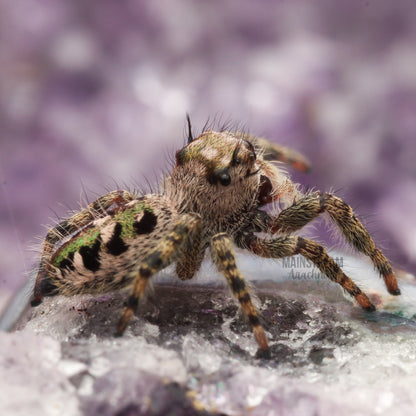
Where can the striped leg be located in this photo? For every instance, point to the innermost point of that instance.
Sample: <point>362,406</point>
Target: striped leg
<point>286,246</point>
<point>68,226</point>
<point>161,256</point>
<point>311,206</point>
<point>223,256</point>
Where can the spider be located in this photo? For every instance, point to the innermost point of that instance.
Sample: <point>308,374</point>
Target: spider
<point>211,200</point>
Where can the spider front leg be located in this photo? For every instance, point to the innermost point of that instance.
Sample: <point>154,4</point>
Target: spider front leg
<point>277,152</point>
<point>287,246</point>
<point>166,252</point>
<point>223,256</point>
<point>96,209</point>
<point>311,206</point>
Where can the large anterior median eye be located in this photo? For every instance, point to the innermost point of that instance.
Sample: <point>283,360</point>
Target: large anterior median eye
<point>224,179</point>
<point>221,175</point>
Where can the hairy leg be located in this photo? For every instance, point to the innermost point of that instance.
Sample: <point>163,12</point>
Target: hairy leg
<point>286,246</point>
<point>223,257</point>
<point>311,206</point>
<point>96,209</point>
<point>276,152</point>
<point>165,253</point>
<point>191,257</point>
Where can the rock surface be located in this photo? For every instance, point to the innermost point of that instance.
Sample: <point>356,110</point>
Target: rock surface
<point>188,351</point>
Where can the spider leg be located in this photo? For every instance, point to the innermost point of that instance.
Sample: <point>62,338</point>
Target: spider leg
<point>165,253</point>
<point>66,227</point>
<point>311,206</point>
<point>290,245</point>
<point>276,152</point>
<point>191,258</point>
<point>223,256</point>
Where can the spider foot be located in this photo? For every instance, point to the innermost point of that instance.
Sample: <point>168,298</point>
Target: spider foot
<point>263,354</point>
<point>391,283</point>
<point>370,308</point>
<point>35,302</point>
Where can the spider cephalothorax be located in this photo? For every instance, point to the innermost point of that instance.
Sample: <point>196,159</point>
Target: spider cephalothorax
<point>210,201</point>
<point>219,177</point>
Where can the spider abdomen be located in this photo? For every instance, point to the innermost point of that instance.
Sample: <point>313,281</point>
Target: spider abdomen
<point>103,256</point>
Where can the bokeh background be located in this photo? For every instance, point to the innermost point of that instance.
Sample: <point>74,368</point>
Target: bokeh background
<point>93,96</point>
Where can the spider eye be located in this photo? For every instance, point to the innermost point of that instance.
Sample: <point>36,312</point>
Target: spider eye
<point>235,160</point>
<point>222,176</point>
<point>224,179</point>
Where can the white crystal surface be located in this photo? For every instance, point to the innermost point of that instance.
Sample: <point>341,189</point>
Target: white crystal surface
<point>328,356</point>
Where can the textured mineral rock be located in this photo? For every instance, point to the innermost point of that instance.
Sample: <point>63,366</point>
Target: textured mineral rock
<point>188,351</point>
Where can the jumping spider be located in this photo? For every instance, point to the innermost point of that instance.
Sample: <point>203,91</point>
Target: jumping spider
<point>211,200</point>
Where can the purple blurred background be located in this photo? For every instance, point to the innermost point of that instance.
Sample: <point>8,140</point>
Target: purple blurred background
<point>94,94</point>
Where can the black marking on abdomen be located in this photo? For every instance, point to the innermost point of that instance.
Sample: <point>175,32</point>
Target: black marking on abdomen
<point>67,263</point>
<point>116,245</point>
<point>48,287</point>
<point>146,224</point>
<point>91,255</point>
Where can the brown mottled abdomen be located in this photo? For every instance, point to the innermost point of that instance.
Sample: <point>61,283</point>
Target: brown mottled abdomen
<point>102,256</point>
